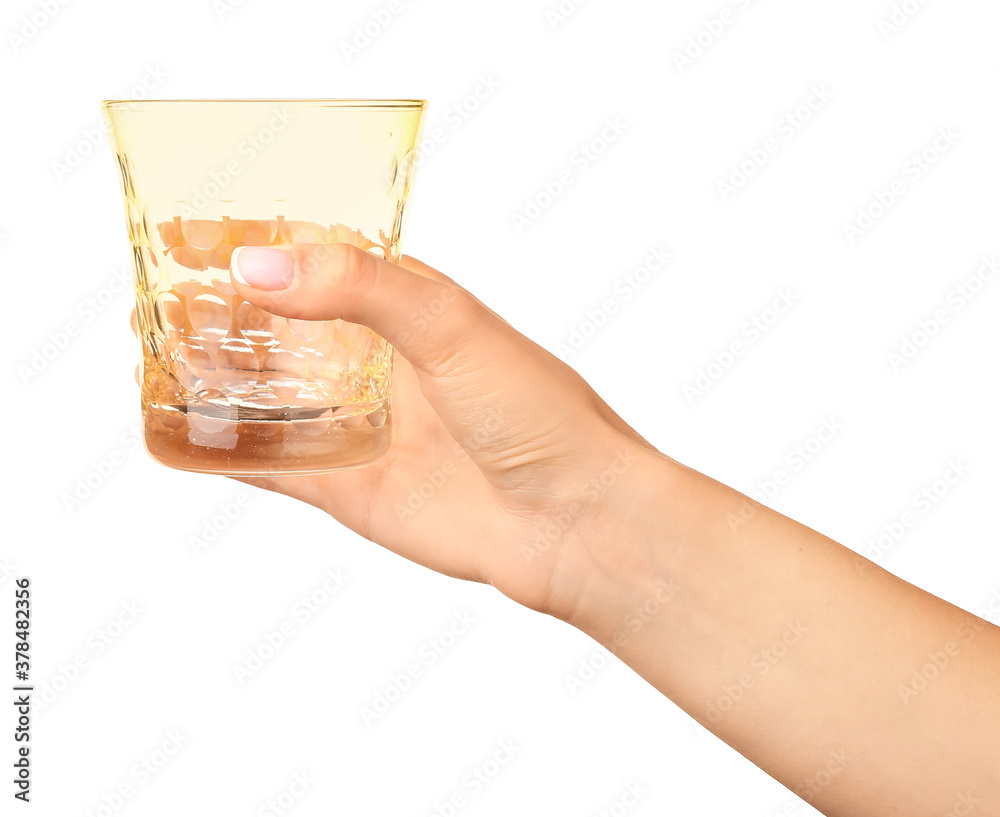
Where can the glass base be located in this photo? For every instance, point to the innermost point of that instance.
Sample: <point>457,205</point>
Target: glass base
<point>285,444</point>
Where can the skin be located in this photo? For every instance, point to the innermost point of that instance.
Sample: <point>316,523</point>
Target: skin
<point>863,694</point>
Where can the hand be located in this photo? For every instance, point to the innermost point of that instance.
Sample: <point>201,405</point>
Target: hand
<point>497,445</point>
<point>790,647</point>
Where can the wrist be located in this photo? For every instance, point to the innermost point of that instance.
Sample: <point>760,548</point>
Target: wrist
<point>630,525</point>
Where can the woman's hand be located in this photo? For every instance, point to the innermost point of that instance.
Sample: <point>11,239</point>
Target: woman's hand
<point>860,692</point>
<point>498,448</point>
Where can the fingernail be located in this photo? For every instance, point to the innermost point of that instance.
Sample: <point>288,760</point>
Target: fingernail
<point>262,267</point>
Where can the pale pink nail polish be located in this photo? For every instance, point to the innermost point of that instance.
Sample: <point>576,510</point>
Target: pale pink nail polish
<point>262,267</point>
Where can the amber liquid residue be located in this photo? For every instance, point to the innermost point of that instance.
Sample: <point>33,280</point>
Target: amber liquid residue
<point>230,388</point>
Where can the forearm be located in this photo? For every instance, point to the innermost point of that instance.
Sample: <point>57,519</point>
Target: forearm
<point>857,690</point>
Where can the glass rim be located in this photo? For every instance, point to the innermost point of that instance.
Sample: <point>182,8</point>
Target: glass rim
<point>374,104</point>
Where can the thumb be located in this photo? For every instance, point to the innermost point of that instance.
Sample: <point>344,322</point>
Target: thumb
<point>472,367</point>
<point>508,401</point>
<point>422,313</point>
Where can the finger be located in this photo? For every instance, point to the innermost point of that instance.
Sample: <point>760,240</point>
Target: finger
<point>485,381</point>
<point>602,407</point>
<point>420,312</point>
<point>421,268</point>
<point>472,366</point>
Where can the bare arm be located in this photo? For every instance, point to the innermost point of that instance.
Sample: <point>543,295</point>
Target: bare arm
<point>863,694</point>
<point>860,692</point>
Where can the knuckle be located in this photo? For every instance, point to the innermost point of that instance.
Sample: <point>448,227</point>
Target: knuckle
<point>460,319</point>
<point>357,269</point>
<point>468,316</point>
<point>463,306</point>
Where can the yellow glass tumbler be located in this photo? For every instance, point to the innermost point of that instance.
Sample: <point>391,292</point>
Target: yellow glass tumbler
<point>226,387</point>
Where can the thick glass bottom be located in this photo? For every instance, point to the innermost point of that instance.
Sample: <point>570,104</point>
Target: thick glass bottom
<point>284,444</point>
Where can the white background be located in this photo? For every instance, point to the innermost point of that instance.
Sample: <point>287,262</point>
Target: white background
<point>73,415</point>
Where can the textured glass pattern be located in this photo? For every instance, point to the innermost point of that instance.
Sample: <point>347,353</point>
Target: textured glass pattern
<point>227,387</point>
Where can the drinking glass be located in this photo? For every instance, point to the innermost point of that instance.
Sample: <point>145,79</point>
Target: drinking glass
<point>228,388</point>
